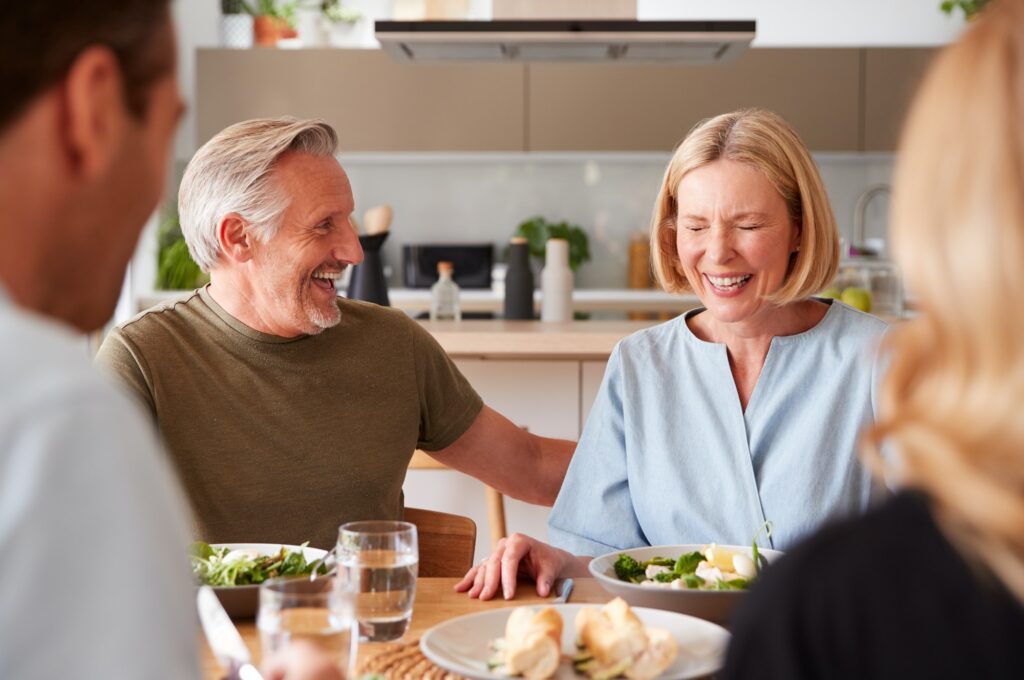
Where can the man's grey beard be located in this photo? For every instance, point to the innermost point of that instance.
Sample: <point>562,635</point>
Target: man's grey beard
<point>321,320</point>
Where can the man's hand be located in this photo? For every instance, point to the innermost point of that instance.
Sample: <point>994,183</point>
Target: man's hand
<point>515,556</point>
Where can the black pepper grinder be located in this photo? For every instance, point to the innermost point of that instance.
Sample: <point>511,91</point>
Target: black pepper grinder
<point>519,281</point>
<point>368,282</point>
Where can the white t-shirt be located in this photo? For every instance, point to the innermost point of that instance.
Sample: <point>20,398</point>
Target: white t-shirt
<point>94,578</point>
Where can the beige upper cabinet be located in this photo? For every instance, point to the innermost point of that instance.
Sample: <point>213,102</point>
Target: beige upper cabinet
<point>618,107</point>
<point>837,99</point>
<point>891,77</point>
<point>373,102</point>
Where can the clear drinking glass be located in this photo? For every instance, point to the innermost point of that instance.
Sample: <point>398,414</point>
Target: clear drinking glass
<point>379,561</point>
<point>317,611</point>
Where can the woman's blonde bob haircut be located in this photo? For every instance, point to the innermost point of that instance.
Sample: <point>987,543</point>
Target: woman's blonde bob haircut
<point>231,173</point>
<point>950,403</point>
<point>765,141</point>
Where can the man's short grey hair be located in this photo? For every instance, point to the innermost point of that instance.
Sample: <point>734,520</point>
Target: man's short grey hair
<point>232,173</point>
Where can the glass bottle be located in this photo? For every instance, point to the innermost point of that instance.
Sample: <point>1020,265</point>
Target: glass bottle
<point>444,295</point>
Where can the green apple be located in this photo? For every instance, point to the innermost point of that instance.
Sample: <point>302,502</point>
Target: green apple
<point>830,293</point>
<point>858,298</point>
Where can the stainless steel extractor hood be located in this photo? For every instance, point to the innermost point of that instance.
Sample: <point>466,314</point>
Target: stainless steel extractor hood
<point>587,40</point>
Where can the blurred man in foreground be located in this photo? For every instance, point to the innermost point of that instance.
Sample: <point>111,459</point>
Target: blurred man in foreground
<point>95,582</point>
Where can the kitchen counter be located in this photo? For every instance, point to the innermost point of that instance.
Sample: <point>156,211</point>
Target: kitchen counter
<point>583,300</point>
<point>531,339</point>
<point>416,300</point>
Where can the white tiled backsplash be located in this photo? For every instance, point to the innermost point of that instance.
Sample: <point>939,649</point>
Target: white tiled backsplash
<point>483,197</point>
<point>447,197</point>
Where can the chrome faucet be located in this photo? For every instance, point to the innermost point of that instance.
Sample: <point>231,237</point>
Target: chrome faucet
<point>861,209</point>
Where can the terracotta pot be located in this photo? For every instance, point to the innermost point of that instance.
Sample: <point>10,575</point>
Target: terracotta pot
<point>266,30</point>
<point>285,31</point>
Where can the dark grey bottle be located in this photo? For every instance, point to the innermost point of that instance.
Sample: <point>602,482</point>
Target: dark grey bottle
<point>519,281</point>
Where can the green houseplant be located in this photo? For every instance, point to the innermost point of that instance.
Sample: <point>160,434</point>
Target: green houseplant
<point>175,268</point>
<point>970,7</point>
<point>538,230</point>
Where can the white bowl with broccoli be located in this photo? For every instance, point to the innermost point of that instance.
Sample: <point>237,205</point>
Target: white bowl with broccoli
<point>702,580</point>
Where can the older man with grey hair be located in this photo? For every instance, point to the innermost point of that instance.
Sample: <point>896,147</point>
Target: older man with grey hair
<point>288,409</point>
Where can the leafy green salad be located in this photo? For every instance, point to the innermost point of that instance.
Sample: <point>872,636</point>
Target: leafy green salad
<point>222,566</point>
<point>712,568</point>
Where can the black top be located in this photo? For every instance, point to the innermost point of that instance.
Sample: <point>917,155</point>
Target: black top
<point>885,596</point>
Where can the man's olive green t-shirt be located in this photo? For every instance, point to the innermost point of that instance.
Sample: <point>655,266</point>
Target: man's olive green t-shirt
<point>280,440</point>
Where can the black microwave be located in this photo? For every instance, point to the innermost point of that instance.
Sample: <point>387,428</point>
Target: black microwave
<point>471,263</point>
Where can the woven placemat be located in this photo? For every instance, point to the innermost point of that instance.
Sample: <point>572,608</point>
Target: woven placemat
<point>403,662</point>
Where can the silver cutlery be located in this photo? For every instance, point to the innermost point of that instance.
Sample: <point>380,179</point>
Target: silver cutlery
<point>564,590</point>
<point>227,645</point>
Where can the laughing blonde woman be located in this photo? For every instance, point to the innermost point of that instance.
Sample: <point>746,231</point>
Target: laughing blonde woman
<point>931,585</point>
<point>746,409</point>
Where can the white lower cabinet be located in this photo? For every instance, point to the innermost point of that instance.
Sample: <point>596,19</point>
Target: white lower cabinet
<point>547,397</point>
<point>591,375</point>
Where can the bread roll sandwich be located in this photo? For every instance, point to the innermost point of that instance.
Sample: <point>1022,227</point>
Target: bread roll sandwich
<point>615,643</point>
<point>533,643</point>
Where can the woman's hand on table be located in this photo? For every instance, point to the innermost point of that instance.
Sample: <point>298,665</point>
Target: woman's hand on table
<point>516,556</point>
<point>301,660</point>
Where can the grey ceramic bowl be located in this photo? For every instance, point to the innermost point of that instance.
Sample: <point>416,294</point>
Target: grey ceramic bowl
<point>711,605</point>
<point>242,602</point>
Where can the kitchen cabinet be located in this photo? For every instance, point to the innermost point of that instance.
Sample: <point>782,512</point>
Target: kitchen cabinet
<point>543,396</point>
<point>374,103</point>
<point>591,375</point>
<point>891,77</point>
<point>650,107</point>
<point>837,99</point>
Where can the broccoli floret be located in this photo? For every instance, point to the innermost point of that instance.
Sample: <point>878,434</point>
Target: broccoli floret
<point>628,569</point>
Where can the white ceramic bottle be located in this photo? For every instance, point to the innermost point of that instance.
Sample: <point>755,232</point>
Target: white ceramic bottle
<point>556,282</point>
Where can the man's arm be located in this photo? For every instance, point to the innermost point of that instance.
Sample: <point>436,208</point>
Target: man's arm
<point>510,459</point>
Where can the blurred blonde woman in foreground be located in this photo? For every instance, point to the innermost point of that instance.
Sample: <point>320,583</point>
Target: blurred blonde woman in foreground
<point>932,584</point>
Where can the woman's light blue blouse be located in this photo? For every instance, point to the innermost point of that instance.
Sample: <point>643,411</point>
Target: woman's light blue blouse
<point>668,455</point>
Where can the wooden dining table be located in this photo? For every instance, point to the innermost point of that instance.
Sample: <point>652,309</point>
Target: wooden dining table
<point>436,601</point>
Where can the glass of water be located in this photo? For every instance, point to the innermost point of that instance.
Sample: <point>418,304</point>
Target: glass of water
<point>317,611</point>
<point>378,561</point>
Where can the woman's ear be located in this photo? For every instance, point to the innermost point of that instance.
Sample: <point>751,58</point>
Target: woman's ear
<point>234,238</point>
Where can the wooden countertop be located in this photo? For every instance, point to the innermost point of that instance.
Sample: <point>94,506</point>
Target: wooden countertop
<point>436,601</point>
<point>497,339</point>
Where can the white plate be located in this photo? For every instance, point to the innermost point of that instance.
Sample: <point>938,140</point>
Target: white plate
<point>713,605</point>
<point>241,602</point>
<point>460,645</point>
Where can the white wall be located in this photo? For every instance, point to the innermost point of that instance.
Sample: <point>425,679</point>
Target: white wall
<point>822,23</point>
<point>198,25</point>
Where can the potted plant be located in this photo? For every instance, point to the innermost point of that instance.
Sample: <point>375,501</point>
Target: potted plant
<point>175,268</point>
<point>970,8</point>
<point>343,23</point>
<point>235,24</point>
<point>537,231</point>
<point>273,20</point>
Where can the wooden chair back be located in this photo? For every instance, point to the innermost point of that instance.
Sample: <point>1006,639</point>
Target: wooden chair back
<point>447,542</point>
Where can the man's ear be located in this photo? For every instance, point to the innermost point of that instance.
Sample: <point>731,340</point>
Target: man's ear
<point>96,115</point>
<point>234,238</point>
